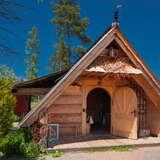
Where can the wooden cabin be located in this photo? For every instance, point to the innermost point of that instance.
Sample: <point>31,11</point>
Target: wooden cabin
<point>108,91</point>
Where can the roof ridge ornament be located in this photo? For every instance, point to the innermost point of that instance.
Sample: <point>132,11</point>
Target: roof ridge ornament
<point>116,15</point>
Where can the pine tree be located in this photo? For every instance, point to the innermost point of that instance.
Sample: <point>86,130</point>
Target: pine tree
<point>32,54</point>
<point>70,28</point>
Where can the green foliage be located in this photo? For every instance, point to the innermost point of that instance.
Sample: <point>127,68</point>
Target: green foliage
<point>71,30</point>
<point>27,133</point>
<point>30,149</point>
<point>17,118</point>
<point>112,149</point>
<point>32,54</point>
<point>7,100</point>
<point>5,72</point>
<point>11,143</point>
<point>57,154</point>
<point>19,144</point>
<point>34,101</point>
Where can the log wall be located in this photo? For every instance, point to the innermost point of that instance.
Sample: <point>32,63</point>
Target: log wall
<point>153,118</point>
<point>66,111</point>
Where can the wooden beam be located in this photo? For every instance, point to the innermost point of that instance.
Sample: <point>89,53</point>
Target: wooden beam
<point>32,91</point>
<point>134,57</point>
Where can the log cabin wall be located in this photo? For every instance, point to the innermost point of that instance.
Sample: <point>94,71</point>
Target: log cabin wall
<point>66,111</point>
<point>69,110</point>
<point>153,118</point>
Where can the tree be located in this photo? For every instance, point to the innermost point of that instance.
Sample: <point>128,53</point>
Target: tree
<point>32,54</point>
<point>70,28</point>
<point>7,100</point>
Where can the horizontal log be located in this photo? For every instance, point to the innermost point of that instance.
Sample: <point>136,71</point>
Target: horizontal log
<point>66,99</point>
<point>32,91</point>
<point>64,108</point>
<point>64,118</point>
<point>72,90</point>
<point>71,129</point>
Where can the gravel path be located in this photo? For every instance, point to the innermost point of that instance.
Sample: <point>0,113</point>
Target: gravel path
<point>147,153</point>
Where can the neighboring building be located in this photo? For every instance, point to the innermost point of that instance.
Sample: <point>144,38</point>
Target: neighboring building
<point>109,90</point>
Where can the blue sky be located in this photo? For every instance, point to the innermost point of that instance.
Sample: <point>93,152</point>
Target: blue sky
<point>139,21</point>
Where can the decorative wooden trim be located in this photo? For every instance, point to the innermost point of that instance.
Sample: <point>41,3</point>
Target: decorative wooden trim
<point>132,54</point>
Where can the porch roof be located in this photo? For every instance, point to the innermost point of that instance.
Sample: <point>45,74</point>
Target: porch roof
<point>47,81</point>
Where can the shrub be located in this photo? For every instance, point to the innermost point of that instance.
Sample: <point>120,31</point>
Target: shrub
<point>30,149</point>
<point>7,100</point>
<point>17,118</point>
<point>10,144</point>
<point>15,144</point>
<point>27,132</point>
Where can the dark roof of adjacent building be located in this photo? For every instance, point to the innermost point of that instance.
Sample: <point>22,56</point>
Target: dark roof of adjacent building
<point>45,81</point>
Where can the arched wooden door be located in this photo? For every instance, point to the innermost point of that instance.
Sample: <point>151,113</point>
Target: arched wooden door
<point>124,109</point>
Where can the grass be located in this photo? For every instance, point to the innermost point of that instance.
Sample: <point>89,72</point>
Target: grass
<point>57,154</point>
<point>42,156</point>
<point>112,149</point>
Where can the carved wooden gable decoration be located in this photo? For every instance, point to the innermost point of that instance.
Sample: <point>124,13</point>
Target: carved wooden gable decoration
<point>113,60</point>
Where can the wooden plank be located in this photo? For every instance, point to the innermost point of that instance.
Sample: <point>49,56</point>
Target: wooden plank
<point>153,118</point>
<point>63,108</point>
<point>124,103</point>
<point>64,118</point>
<point>32,91</point>
<point>65,99</point>
<point>72,90</point>
<point>70,130</point>
<point>84,107</point>
<point>149,90</point>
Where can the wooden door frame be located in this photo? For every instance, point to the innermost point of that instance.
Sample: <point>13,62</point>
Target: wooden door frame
<point>85,91</point>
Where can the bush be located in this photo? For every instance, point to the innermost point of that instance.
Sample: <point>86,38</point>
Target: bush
<point>17,118</point>
<point>30,149</point>
<point>7,100</point>
<point>10,145</point>
<point>15,144</point>
<point>27,132</point>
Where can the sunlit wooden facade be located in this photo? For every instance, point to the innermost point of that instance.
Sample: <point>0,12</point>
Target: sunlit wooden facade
<point>108,91</point>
